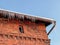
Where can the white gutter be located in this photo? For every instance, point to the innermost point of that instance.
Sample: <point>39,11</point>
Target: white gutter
<point>28,14</point>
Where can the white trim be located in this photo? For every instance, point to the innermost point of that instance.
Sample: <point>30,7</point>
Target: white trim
<point>28,15</point>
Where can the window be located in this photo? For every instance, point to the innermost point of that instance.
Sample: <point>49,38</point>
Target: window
<point>21,29</point>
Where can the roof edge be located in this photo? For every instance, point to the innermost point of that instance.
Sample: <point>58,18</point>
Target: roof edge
<point>43,18</point>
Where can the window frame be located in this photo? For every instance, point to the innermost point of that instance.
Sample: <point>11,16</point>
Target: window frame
<point>21,29</point>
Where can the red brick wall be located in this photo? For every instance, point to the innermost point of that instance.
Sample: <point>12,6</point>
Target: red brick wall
<point>34,34</point>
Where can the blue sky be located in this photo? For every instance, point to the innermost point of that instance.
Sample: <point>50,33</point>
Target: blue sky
<point>45,8</point>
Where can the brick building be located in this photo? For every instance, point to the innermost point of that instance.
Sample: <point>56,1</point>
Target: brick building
<point>22,29</point>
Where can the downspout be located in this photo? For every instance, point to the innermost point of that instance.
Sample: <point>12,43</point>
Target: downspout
<point>54,24</point>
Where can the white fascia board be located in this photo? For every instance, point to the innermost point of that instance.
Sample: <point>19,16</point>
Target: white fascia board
<point>30,15</point>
